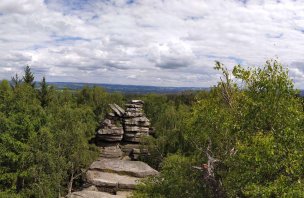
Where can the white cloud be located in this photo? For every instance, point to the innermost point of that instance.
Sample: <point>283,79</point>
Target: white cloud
<point>151,42</point>
<point>20,6</point>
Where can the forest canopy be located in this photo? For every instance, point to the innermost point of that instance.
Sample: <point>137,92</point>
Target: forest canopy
<point>243,138</point>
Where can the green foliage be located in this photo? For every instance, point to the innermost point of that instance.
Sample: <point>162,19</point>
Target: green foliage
<point>264,168</point>
<point>168,115</point>
<point>177,179</point>
<point>255,124</point>
<point>43,93</point>
<point>44,140</point>
<point>269,160</point>
<point>22,116</point>
<point>73,128</point>
<point>98,99</point>
<point>253,118</point>
<point>28,77</point>
<point>16,81</point>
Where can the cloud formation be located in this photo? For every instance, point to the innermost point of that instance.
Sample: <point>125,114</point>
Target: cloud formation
<point>149,42</point>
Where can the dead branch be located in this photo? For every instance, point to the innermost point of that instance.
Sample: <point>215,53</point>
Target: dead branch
<point>208,170</point>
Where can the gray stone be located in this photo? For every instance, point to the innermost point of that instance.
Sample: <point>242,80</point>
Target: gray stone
<point>133,114</point>
<point>136,151</point>
<point>121,110</point>
<point>134,106</point>
<point>134,135</point>
<point>134,109</point>
<point>112,131</point>
<point>124,193</point>
<point>137,121</point>
<point>114,134</point>
<point>133,139</point>
<point>107,122</point>
<point>111,180</point>
<point>117,110</point>
<point>109,138</point>
<point>131,168</point>
<point>95,194</point>
<point>128,147</point>
<point>111,115</point>
<point>91,188</point>
<point>137,102</point>
<point>136,129</point>
<point>111,151</point>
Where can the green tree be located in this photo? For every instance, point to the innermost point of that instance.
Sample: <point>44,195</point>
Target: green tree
<point>177,179</point>
<point>73,128</point>
<point>256,130</point>
<point>270,136</point>
<point>43,93</point>
<point>28,77</point>
<point>16,80</point>
<point>21,117</point>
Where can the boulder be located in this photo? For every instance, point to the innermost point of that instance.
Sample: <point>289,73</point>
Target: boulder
<point>91,188</point>
<point>139,102</point>
<point>136,129</point>
<point>134,106</point>
<point>117,110</point>
<point>130,114</point>
<point>95,194</point>
<point>128,147</point>
<point>137,121</point>
<point>110,151</point>
<point>124,167</point>
<point>113,134</point>
<point>121,110</point>
<point>111,180</point>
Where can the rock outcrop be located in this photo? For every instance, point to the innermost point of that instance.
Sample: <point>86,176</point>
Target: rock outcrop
<point>117,171</point>
<point>120,133</point>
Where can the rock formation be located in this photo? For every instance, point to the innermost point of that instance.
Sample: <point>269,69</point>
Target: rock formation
<point>120,133</point>
<point>118,138</point>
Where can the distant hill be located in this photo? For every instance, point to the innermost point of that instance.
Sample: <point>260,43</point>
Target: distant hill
<point>132,89</point>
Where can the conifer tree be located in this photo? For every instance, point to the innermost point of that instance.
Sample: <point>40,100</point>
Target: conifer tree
<point>16,81</point>
<point>43,93</point>
<point>28,77</point>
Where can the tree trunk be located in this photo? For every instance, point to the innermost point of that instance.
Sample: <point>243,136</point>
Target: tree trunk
<point>70,186</point>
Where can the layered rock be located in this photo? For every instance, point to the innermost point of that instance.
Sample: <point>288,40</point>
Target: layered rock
<point>110,133</point>
<point>123,167</point>
<point>122,130</point>
<point>115,174</point>
<point>97,194</point>
<point>136,124</point>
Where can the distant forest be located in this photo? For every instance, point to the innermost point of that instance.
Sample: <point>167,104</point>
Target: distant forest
<point>242,138</point>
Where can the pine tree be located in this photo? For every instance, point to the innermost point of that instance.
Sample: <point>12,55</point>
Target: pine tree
<point>16,81</point>
<point>43,93</point>
<point>28,77</point>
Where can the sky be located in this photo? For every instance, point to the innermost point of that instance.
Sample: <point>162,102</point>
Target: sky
<point>148,42</point>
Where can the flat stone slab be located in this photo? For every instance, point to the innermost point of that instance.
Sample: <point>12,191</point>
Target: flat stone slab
<point>111,131</point>
<point>137,102</point>
<point>124,167</point>
<point>111,180</point>
<point>110,151</point>
<point>117,109</point>
<point>137,121</point>
<point>135,129</point>
<point>96,194</point>
<point>133,114</point>
<point>128,147</point>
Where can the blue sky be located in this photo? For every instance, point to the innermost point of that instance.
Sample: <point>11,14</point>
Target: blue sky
<point>148,42</point>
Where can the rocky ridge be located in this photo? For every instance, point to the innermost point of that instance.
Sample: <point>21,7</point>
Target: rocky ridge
<point>117,171</point>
